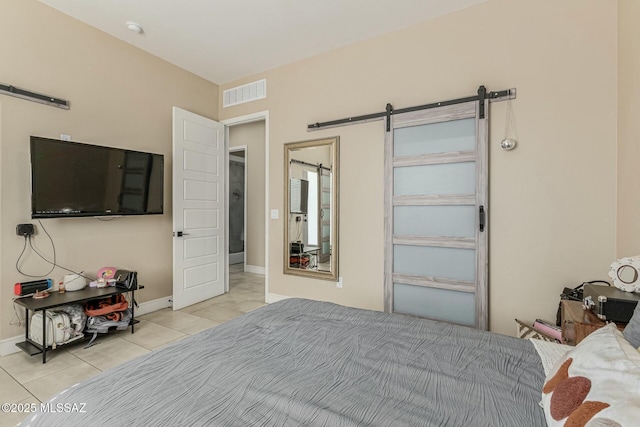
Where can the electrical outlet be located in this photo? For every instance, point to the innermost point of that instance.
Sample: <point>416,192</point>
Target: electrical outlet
<point>65,137</point>
<point>339,283</point>
<point>25,230</point>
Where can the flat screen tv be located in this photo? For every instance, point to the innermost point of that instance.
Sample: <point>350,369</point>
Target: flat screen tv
<point>72,179</point>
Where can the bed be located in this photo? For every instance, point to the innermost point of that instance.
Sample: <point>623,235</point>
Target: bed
<point>301,362</point>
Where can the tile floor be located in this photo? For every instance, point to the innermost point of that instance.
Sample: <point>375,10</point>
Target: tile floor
<point>24,379</point>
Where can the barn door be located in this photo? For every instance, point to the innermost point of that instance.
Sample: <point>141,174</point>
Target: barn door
<point>436,214</point>
<point>324,224</point>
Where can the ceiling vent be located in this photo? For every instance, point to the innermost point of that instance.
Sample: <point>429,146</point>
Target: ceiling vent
<point>245,93</point>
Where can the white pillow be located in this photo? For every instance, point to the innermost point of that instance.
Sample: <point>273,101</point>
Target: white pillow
<point>595,384</point>
<point>550,352</point>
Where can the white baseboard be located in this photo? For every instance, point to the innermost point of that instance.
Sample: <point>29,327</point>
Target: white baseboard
<point>254,269</point>
<point>8,345</point>
<point>275,298</point>
<point>237,258</point>
<point>151,306</point>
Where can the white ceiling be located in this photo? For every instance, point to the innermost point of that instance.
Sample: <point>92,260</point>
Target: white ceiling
<point>224,40</point>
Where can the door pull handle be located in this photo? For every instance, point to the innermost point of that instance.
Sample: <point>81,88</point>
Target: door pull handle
<point>482,218</point>
<point>180,234</point>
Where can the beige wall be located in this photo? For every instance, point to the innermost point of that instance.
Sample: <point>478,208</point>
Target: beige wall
<point>553,199</point>
<point>120,96</point>
<point>628,128</point>
<point>252,135</point>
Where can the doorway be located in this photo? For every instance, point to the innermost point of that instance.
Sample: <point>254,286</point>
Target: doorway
<point>251,134</point>
<point>237,204</point>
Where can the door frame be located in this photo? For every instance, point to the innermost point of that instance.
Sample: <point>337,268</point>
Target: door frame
<point>240,120</point>
<point>246,185</point>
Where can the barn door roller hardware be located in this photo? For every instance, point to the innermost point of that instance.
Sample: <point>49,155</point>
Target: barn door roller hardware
<point>312,165</point>
<point>33,96</point>
<point>482,94</point>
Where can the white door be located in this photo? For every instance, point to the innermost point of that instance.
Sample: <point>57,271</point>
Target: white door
<point>199,249</point>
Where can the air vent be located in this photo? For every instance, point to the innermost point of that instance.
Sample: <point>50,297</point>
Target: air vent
<point>245,93</point>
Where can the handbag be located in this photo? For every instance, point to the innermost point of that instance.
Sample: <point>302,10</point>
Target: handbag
<point>102,307</point>
<point>126,279</point>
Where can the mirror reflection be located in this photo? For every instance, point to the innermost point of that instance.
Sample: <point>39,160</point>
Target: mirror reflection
<point>311,234</point>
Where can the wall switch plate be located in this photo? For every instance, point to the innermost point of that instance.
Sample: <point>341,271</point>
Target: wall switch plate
<point>275,214</point>
<point>339,283</point>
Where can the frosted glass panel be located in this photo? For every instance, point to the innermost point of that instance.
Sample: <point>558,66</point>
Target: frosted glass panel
<point>456,135</point>
<point>440,304</point>
<point>452,178</point>
<point>137,160</point>
<point>446,263</point>
<point>326,198</point>
<point>131,202</point>
<point>448,221</point>
<point>134,181</point>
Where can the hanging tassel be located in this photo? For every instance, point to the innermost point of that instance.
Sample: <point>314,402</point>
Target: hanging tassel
<point>509,143</point>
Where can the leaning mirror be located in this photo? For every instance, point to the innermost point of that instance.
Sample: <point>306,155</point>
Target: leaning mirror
<point>311,208</point>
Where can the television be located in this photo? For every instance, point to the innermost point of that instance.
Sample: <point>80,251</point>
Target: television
<point>299,196</point>
<point>73,179</point>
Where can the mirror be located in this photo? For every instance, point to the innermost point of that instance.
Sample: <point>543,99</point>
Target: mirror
<point>311,208</point>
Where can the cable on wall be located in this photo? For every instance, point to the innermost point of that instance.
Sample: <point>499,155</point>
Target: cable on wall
<point>54,263</point>
<point>28,239</point>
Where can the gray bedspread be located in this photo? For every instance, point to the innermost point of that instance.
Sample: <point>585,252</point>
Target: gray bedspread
<point>299,362</point>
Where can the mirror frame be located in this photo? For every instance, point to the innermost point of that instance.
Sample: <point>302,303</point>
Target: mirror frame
<point>334,143</point>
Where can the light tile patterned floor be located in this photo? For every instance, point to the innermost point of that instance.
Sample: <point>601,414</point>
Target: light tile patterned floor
<point>24,379</point>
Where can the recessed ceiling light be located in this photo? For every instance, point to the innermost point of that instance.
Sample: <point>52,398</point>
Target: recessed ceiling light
<point>135,27</point>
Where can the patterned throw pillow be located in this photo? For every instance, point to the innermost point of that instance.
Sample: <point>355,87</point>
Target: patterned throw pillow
<point>597,384</point>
